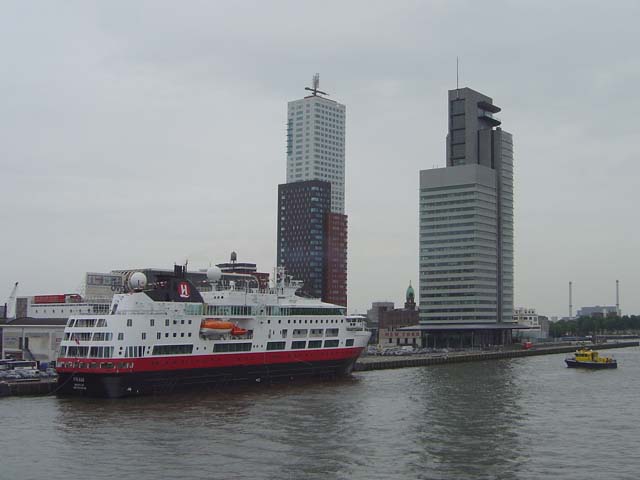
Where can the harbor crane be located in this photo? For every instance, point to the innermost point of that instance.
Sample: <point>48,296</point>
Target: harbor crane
<point>10,305</point>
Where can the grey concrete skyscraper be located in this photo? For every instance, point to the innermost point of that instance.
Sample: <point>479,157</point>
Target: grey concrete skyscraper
<point>466,222</point>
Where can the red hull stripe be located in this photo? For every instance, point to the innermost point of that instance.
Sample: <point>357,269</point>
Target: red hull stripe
<point>188,362</point>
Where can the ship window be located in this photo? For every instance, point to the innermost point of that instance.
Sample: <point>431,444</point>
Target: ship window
<point>276,345</point>
<point>166,335</point>
<point>144,335</point>
<point>101,352</point>
<point>182,334</point>
<point>175,334</point>
<point>121,336</point>
<point>330,343</point>
<point>102,336</point>
<point>298,344</point>
<point>189,322</point>
<point>189,333</point>
<point>172,349</point>
<point>152,322</point>
<point>78,351</point>
<point>350,342</point>
<point>158,335</point>
<point>315,343</point>
<point>129,322</point>
<point>182,322</point>
<point>166,322</point>
<point>232,347</point>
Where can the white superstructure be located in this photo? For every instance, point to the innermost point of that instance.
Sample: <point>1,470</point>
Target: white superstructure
<point>170,333</point>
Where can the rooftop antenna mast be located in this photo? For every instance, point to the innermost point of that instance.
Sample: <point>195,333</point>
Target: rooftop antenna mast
<point>457,78</point>
<point>570,300</point>
<point>315,82</point>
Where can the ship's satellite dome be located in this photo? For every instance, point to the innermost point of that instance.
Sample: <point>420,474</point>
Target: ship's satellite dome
<point>137,281</point>
<point>214,274</point>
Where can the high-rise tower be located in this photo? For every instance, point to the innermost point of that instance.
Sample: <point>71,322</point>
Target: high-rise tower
<point>312,226</point>
<point>466,220</point>
<point>315,142</point>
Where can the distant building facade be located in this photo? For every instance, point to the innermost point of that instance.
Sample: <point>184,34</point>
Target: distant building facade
<point>316,142</point>
<point>598,311</point>
<point>335,259</point>
<point>376,311</point>
<point>244,268</point>
<point>302,207</point>
<point>466,229</point>
<point>312,241</point>
<point>312,225</point>
<point>529,318</point>
<point>31,338</point>
<point>391,321</point>
<point>102,285</point>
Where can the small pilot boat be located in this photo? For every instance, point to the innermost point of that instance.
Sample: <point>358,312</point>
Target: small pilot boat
<point>587,358</point>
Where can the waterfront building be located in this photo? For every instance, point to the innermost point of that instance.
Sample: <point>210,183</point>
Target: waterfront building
<point>376,311</point>
<point>312,226</point>
<point>35,332</point>
<point>334,286</point>
<point>466,228</point>
<point>31,338</point>
<point>392,321</point>
<point>528,317</point>
<point>312,240</point>
<point>316,142</point>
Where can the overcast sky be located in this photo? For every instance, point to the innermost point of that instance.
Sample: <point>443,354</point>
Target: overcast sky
<point>136,134</point>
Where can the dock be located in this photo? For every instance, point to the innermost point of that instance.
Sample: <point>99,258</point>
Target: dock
<point>371,362</point>
<point>28,387</point>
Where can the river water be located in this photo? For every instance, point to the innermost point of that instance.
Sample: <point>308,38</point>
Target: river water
<point>526,418</point>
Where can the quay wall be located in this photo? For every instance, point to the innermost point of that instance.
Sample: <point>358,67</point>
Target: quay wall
<point>368,363</point>
<point>30,387</point>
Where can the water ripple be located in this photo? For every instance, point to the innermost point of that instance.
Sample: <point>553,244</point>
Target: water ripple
<point>526,418</point>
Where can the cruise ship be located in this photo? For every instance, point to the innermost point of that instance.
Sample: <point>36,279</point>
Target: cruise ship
<point>171,335</point>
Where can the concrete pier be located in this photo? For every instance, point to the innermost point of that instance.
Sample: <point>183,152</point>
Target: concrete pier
<point>380,363</point>
<point>30,387</point>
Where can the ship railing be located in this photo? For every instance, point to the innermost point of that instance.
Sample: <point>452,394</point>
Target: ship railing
<point>152,311</point>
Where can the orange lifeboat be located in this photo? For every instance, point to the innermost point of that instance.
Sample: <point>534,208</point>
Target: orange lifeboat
<point>215,327</point>
<point>237,331</point>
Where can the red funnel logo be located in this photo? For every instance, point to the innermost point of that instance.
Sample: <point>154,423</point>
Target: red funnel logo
<point>184,290</point>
